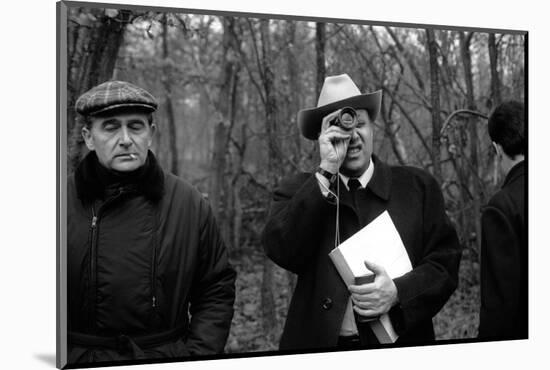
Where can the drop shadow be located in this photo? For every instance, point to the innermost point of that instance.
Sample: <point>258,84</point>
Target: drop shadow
<point>47,358</point>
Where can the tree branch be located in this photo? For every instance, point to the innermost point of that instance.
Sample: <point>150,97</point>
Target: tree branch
<point>457,112</point>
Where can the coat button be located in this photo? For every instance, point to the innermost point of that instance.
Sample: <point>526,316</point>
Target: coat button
<point>327,303</point>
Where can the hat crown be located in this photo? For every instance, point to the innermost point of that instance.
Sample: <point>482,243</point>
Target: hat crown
<point>114,94</point>
<point>336,88</point>
<point>337,92</point>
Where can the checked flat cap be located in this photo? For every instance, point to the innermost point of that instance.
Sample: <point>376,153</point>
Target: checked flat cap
<point>113,95</point>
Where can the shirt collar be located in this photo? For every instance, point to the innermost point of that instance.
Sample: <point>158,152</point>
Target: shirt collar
<point>364,178</point>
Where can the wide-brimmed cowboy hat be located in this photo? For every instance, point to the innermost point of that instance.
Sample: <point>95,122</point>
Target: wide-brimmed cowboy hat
<point>337,92</point>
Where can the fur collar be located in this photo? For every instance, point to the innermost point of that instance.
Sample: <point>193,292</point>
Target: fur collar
<point>89,186</point>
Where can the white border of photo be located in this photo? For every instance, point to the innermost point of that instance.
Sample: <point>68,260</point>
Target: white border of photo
<point>28,183</point>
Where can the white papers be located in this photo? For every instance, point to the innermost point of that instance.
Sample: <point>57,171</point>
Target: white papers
<point>378,242</point>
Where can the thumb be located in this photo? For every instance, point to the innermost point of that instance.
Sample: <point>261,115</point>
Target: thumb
<point>377,269</point>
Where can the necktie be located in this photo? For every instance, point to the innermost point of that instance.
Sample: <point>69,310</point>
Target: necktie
<point>354,184</point>
<point>366,335</point>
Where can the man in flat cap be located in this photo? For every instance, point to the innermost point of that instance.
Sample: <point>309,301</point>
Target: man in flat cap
<point>353,183</point>
<point>148,272</point>
<point>504,274</point>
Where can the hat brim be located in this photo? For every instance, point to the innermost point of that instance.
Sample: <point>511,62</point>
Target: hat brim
<point>309,120</point>
<point>146,108</point>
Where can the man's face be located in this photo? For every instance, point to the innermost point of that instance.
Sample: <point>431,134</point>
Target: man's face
<point>360,147</point>
<point>121,141</point>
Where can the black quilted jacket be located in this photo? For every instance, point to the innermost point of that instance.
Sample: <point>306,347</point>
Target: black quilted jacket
<point>145,258</point>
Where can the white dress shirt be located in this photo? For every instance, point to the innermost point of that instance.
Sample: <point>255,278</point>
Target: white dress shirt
<point>348,323</point>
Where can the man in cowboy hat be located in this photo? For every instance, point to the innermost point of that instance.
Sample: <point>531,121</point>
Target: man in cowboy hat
<point>300,233</point>
<point>148,273</point>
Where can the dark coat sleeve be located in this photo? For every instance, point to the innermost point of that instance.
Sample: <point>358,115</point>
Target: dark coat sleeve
<point>213,292</point>
<point>291,236</point>
<point>500,275</point>
<point>423,291</point>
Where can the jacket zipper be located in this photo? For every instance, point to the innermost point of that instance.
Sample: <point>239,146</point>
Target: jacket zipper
<point>153,278</point>
<point>93,256</point>
<point>154,261</point>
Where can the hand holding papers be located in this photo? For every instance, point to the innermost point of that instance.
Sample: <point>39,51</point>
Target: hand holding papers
<point>375,298</point>
<point>378,243</point>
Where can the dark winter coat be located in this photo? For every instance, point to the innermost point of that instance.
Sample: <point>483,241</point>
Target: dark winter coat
<point>144,258</point>
<point>300,234</point>
<point>504,261</point>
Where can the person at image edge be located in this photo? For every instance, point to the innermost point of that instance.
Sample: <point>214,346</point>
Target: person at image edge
<point>504,288</point>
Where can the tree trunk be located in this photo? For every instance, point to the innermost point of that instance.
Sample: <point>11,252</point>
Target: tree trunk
<point>234,207</point>
<point>270,101</point>
<point>472,163</point>
<point>436,109</point>
<point>93,50</point>
<point>167,84</point>
<point>496,97</point>
<point>218,161</point>
<point>320,37</point>
<point>495,80</point>
<point>237,219</point>
<point>268,299</point>
<point>392,131</point>
<point>295,105</point>
<point>294,91</point>
<point>225,100</point>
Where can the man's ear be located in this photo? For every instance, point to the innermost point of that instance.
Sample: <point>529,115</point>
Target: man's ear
<point>153,131</point>
<point>87,135</point>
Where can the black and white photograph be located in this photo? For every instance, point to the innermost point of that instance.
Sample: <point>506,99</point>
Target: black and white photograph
<point>241,183</point>
<point>240,186</point>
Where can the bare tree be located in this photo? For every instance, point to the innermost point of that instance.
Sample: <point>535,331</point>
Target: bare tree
<point>320,42</point>
<point>408,58</point>
<point>167,85</point>
<point>294,88</point>
<point>495,80</point>
<point>465,41</point>
<point>386,112</point>
<point>224,107</point>
<point>92,54</point>
<point>436,110</point>
<point>264,60</point>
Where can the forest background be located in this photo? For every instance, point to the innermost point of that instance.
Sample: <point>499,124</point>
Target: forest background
<point>229,89</point>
